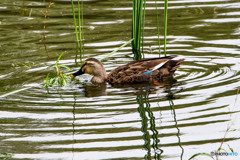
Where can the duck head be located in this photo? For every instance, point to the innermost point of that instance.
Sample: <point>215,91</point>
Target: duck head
<point>93,67</point>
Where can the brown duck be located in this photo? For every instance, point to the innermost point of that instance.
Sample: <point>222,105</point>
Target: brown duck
<point>146,70</point>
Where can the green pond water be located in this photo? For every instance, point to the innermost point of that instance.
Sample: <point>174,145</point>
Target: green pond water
<point>83,122</point>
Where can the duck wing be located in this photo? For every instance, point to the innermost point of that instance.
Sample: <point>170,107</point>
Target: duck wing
<point>138,71</point>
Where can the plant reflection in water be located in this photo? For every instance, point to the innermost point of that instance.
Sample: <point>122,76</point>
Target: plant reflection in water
<point>146,114</point>
<point>149,127</point>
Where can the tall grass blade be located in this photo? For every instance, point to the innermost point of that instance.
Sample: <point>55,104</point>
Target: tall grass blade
<point>64,66</point>
<point>75,21</point>
<point>44,27</point>
<point>82,38</point>
<point>116,50</point>
<point>78,30</point>
<point>13,92</point>
<point>143,25</point>
<point>200,154</point>
<point>46,80</point>
<point>59,57</point>
<point>158,32</point>
<point>165,25</point>
<point>137,28</point>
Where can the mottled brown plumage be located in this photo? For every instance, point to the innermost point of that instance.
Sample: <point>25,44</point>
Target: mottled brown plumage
<point>134,72</point>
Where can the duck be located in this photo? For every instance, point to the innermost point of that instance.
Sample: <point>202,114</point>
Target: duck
<point>145,70</point>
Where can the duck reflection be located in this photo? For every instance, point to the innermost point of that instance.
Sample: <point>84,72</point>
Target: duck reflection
<point>149,127</point>
<point>91,90</point>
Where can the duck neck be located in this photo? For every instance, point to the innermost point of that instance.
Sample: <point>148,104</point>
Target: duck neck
<point>100,77</point>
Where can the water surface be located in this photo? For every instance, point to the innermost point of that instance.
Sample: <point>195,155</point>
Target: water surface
<point>80,121</point>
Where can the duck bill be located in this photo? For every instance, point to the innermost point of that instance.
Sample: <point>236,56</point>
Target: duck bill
<point>80,72</point>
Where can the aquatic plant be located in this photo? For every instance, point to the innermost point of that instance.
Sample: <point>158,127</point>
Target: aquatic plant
<point>148,120</point>
<point>165,25</point>
<point>108,55</point>
<point>158,32</point>
<point>58,78</point>
<point>137,27</point>
<point>44,26</point>
<point>138,24</point>
<point>26,64</point>
<point>170,97</point>
<point>200,154</point>
<point>78,29</point>
<point>5,156</point>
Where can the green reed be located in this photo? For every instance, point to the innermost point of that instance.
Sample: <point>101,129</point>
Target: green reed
<point>148,121</point>
<point>59,78</point>
<point>44,27</point>
<point>5,156</point>
<point>78,29</point>
<point>143,25</point>
<point>109,54</point>
<point>165,25</point>
<point>158,32</point>
<point>137,27</point>
<point>138,23</point>
<point>172,106</point>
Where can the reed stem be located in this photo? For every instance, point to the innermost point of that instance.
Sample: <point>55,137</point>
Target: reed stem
<point>143,25</point>
<point>75,21</point>
<point>137,23</point>
<point>158,32</point>
<point>78,30</point>
<point>108,55</point>
<point>44,27</point>
<point>165,25</point>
